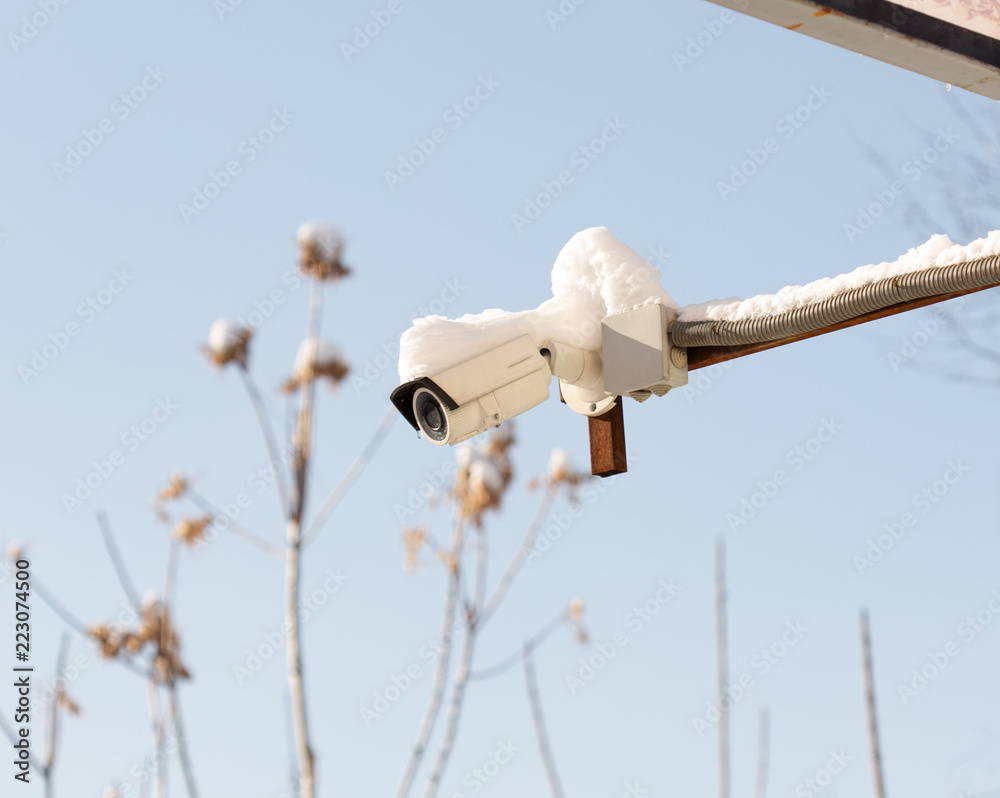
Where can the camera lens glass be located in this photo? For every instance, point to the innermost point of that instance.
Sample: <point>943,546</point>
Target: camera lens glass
<point>430,415</point>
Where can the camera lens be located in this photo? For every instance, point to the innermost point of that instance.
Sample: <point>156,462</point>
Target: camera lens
<point>430,415</point>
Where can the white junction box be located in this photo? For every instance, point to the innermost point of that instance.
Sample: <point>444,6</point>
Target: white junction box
<point>638,357</point>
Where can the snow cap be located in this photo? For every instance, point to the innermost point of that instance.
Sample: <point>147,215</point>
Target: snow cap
<point>595,275</point>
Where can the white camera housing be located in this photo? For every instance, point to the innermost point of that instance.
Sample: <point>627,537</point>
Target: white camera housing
<point>476,395</point>
<point>636,359</point>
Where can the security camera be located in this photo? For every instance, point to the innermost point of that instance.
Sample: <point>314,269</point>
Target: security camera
<point>477,394</point>
<point>636,359</point>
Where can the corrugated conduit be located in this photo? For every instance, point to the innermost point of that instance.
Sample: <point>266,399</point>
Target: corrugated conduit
<point>880,294</point>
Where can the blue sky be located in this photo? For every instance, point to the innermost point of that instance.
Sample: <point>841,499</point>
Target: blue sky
<point>108,247</point>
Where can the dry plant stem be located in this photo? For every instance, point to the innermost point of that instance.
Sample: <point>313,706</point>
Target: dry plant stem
<point>50,757</point>
<point>518,560</point>
<point>293,647</point>
<point>182,747</point>
<point>116,559</point>
<point>156,719</point>
<point>763,752</point>
<point>169,591</point>
<point>538,719</point>
<point>260,411</point>
<point>348,480</point>
<point>535,642</point>
<point>440,676</point>
<point>461,678</point>
<point>722,666</point>
<point>239,530</point>
<point>482,559</point>
<point>459,684</point>
<point>437,693</point>
<point>866,647</point>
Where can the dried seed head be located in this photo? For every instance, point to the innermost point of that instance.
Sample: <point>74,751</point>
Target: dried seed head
<point>484,472</point>
<point>155,633</point>
<point>108,640</point>
<point>413,541</point>
<point>320,247</point>
<point>14,551</point>
<point>175,488</point>
<point>559,465</point>
<point>576,618</point>
<point>191,531</point>
<point>228,342</point>
<point>316,360</point>
<point>561,474</point>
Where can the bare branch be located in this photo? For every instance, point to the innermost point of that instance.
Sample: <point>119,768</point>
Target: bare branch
<point>182,746</point>
<point>169,593</point>
<point>237,529</point>
<point>459,683</point>
<point>763,752</point>
<point>50,757</point>
<point>267,432</point>
<point>158,728</point>
<point>722,665</point>
<point>535,642</point>
<point>538,719</point>
<point>866,649</point>
<point>519,558</point>
<point>437,689</point>
<point>347,481</point>
<point>301,446</point>
<point>116,560</point>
